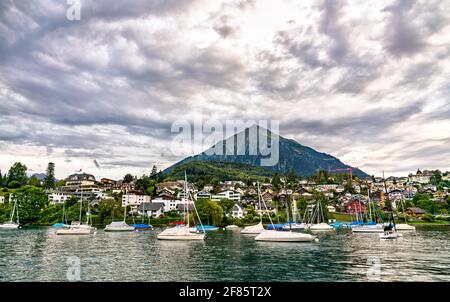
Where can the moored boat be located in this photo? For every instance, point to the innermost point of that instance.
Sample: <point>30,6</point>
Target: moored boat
<point>280,236</point>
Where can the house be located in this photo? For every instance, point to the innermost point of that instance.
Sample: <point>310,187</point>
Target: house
<point>170,201</point>
<point>78,180</point>
<point>417,212</point>
<point>134,199</point>
<point>183,207</point>
<point>237,211</point>
<point>151,209</point>
<point>122,187</point>
<point>107,183</point>
<point>2,199</point>
<point>268,209</point>
<point>203,194</point>
<point>58,197</point>
<point>267,196</point>
<point>227,194</point>
<point>421,177</point>
<point>354,206</point>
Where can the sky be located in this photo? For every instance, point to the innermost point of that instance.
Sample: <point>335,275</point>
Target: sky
<point>365,81</point>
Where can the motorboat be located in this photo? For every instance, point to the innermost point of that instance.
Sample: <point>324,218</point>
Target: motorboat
<point>280,236</point>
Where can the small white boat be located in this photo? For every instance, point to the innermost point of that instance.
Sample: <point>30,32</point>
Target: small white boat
<point>294,226</point>
<point>253,229</point>
<point>180,232</point>
<point>76,228</point>
<point>370,229</point>
<point>9,226</point>
<point>321,227</point>
<point>119,226</point>
<point>390,235</point>
<point>404,227</point>
<point>280,236</point>
<point>231,227</point>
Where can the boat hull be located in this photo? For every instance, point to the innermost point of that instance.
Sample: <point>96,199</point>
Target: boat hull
<point>73,232</point>
<point>321,227</point>
<point>404,227</point>
<point>280,236</point>
<point>182,237</point>
<point>9,226</point>
<point>131,229</point>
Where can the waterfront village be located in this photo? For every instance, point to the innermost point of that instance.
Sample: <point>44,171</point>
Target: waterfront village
<point>422,196</point>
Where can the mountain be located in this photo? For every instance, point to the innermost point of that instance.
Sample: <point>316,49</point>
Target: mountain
<point>304,160</point>
<point>197,169</point>
<point>40,176</point>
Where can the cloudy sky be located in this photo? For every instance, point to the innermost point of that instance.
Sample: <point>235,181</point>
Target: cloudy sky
<point>366,81</point>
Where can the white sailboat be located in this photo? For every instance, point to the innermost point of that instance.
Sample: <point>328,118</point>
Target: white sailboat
<point>12,225</point>
<point>404,226</point>
<point>319,226</point>
<point>120,226</point>
<point>390,230</point>
<point>257,228</point>
<point>182,232</point>
<point>76,227</point>
<point>369,228</point>
<point>282,236</point>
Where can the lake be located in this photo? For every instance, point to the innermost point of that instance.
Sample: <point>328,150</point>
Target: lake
<point>37,254</point>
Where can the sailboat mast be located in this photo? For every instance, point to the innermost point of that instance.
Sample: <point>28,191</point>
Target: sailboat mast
<point>186,208</point>
<point>259,203</point>
<point>368,197</point>
<point>390,204</point>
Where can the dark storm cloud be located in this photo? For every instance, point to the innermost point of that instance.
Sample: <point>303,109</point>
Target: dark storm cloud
<point>368,125</point>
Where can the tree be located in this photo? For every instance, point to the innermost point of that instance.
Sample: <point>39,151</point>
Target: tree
<point>276,181</point>
<point>210,212</point>
<point>227,205</point>
<point>128,178</point>
<point>154,172</point>
<point>34,181</point>
<point>49,180</point>
<point>18,175</point>
<point>1,179</point>
<point>31,202</point>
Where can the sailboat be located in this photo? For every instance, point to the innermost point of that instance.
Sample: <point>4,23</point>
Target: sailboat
<point>319,226</point>
<point>63,223</point>
<point>404,226</point>
<point>182,231</point>
<point>293,225</point>
<point>390,230</point>
<point>120,226</point>
<point>370,227</point>
<point>11,225</point>
<point>76,227</point>
<point>257,228</point>
<point>282,236</point>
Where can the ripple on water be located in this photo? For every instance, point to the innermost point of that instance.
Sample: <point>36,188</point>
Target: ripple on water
<point>39,255</point>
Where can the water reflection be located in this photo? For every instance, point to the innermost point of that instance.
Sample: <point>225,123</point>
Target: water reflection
<point>39,254</point>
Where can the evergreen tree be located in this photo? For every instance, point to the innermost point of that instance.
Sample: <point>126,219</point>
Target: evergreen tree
<point>128,178</point>
<point>154,171</point>
<point>49,180</point>
<point>17,175</point>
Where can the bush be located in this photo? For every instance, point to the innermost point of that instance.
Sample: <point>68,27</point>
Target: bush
<point>428,217</point>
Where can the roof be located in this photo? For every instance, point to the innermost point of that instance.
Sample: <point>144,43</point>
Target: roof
<point>166,197</point>
<point>151,206</point>
<point>80,177</point>
<point>416,210</point>
<point>182,207</point>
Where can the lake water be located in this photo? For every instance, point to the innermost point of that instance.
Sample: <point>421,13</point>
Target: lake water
<point>36,254</point>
